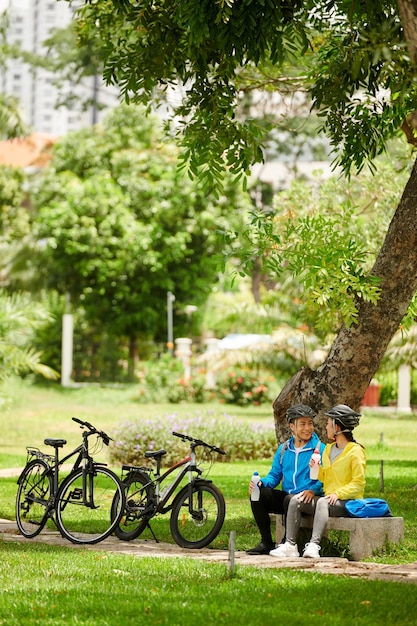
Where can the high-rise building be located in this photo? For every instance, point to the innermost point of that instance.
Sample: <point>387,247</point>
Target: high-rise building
<point>31,23</point>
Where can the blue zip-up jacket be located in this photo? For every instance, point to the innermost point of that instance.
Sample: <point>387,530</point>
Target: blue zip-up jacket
<point>293,468</point>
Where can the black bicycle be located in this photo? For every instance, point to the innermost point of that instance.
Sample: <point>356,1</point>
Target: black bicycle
<point>81,505</point>
<point>197,510</point>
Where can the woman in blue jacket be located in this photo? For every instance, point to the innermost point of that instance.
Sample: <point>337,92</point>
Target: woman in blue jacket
<point>290,468</point>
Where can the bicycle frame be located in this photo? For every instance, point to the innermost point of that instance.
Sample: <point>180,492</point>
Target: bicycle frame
<point>83,460</point>
<point>78,503</point>
<point>188,465</point>
<point>197,506</point>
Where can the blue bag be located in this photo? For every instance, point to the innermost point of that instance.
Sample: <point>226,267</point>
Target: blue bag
<point>368,507</point>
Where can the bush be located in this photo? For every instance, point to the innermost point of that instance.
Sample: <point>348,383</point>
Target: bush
<point>244,388</point>
<point>387,394</point>
<point>240,440</point>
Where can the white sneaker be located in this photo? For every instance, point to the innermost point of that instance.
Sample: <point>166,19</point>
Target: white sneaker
<point>285,551</point>
<point>311,551</point>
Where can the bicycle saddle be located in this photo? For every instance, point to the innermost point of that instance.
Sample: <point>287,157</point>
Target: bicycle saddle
<point>55,443</point>
<point>151,454</point>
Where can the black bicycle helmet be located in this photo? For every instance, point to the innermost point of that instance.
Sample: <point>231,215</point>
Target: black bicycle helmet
<point>343,415</point>
<point>300,410</point>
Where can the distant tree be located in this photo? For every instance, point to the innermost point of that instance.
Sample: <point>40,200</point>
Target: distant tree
<point>120,226</point>
<point>19,317</point>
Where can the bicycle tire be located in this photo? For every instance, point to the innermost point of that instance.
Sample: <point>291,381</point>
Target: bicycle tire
<point>84,524</point>
<point>139,493</point>
<point>197,529</point>
<point>33,498</point>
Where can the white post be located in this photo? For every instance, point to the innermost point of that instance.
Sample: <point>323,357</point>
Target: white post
<point>212,347</point>
<point>404,386</point>
<point>183,352</point>
<point>67,349</point>
<point>232,547</point>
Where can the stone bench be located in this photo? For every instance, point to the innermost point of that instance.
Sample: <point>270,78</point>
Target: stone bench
<point>366,534</point>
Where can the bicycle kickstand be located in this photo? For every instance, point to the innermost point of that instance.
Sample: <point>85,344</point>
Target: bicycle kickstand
<point>152,533</point>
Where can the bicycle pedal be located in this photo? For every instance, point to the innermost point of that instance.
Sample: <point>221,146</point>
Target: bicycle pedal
<point>76,494</point>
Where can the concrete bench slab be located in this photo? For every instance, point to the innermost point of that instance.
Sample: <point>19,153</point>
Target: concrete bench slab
<point>366,534</point>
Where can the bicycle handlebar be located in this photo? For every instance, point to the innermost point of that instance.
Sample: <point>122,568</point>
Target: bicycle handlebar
<point>93,430</point>
<point>198,442</point>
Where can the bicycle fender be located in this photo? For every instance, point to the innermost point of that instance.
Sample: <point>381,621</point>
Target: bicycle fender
<point>204,481</point>
<point>179,495</point>
<point>19,480</point>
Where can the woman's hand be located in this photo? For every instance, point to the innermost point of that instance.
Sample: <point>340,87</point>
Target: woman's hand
<point>332,498</point>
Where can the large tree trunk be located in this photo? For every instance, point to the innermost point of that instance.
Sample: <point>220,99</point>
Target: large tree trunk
<point>357,351</point>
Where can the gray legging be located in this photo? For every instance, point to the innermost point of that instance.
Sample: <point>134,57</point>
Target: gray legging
<point>320,508</point>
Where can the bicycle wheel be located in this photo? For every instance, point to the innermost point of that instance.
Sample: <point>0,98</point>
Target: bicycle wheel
<point>195,524</point>
<point>139,494</point>
<point>32,498</point>
<point>83,511</point>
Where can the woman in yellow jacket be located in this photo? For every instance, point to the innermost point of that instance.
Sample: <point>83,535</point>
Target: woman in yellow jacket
<point>342,473</point>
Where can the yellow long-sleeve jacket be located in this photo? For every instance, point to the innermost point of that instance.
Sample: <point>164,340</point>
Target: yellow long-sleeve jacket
<point>346,475</point>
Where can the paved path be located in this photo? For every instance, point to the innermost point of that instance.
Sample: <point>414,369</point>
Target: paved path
<point>145,548</point>
<point>142,548</point>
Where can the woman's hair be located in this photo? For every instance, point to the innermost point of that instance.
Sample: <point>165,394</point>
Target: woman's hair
<point>349,436</point>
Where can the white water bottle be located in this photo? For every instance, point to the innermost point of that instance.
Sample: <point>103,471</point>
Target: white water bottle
<point>255,494</point>
<point>314,469</point>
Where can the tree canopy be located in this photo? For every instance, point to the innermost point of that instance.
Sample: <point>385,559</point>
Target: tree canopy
<point>351,57</point>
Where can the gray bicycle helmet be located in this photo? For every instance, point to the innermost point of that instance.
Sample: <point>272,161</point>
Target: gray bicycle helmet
<point>300,410</point>
<point>343,415</point>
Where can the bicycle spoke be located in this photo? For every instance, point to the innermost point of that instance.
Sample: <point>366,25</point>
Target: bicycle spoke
<point>139,494</point>
<point>196,524</point>
<point>32,499</point>
<point>84,512</point>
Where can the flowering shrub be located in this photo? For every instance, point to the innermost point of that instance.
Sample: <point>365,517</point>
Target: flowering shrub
<point>164,380</point>
<point>240,440</point>
<point>191,390</point>
<point>243,387</point>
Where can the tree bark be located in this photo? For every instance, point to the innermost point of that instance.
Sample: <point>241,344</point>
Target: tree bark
<point>408,14</point>
<point>357,351</point>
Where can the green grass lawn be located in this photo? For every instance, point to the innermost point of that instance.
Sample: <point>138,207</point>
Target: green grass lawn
<point>44,585</point>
